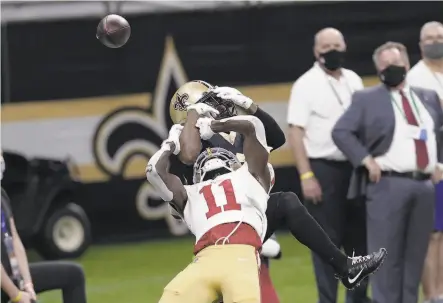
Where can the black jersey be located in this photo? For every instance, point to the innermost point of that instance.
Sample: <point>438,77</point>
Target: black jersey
<point>185,172</point>
<point>275,138</point>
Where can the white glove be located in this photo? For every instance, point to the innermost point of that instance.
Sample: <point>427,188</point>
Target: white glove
<point>204,126</point>
<point>232,94</point>
<point>270,248</point>
<point>203,110</point>
<point>174,137</point>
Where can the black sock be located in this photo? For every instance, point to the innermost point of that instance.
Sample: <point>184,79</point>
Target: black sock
<point>306,230</point>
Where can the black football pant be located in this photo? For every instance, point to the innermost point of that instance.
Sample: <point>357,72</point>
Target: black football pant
<point>58,275</point>
<point>286,210</point>
<point>343,220</point>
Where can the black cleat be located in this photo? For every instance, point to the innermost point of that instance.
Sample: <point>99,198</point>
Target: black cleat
<point>362,266</point>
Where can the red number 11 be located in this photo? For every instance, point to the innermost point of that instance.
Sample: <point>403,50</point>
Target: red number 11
<point>210,199</point>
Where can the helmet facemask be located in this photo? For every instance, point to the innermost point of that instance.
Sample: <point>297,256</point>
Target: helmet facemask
<point>214,162</point>
<point>225,108</point>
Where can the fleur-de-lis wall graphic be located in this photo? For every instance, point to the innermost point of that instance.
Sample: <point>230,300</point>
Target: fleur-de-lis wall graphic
<point>133,132</point>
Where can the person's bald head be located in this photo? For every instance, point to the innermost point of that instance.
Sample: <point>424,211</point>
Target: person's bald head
<point>431,40</point>
<point>328,39</point>
<point>431,31</point>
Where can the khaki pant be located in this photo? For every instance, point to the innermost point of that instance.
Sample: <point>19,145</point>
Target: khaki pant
<point>230,271</point>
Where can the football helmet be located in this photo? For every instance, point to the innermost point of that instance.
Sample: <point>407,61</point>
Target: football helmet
<point>194,92</point>
<point>212,160</point>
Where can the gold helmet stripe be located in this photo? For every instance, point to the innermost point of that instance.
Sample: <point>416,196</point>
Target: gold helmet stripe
<point>204,83</point>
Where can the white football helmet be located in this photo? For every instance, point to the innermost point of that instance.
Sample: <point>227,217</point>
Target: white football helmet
<point>213,159</point>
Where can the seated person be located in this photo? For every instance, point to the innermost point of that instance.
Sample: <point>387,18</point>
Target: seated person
<point>21,281</point>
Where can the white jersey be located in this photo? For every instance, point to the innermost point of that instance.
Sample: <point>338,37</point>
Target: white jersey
<point>232,197</point>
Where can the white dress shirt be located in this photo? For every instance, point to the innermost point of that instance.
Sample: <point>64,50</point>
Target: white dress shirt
<point>421,75</point>
<point>401,156</point>
<point>316,103</point>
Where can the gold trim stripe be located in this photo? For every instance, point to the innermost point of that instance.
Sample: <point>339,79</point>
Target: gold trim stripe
<point>281,157</point>
<point>281,91</point>
<point>97,106</point>
<point>136,168</point>
<point>72,108</point>
<point>91,172</point>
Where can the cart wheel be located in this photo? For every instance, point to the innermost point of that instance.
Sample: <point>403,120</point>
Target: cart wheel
<point>66,233</point>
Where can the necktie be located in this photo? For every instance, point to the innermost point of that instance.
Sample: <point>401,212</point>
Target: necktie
<point>421,150</point>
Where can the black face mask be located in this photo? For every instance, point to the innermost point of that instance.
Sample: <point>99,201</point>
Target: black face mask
<point>333,59</point>
<point>393,75</point>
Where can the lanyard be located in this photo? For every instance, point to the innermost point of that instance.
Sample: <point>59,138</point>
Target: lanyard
<point>417,111</point>
<point>4,228</point>
<point>337,96</point>
<point>10,252</point>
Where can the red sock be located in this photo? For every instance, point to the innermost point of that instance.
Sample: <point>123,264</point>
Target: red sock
<point>268,294</point>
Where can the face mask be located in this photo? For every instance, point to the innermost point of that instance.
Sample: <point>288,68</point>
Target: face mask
<point>433,51</point>
<point>393,75</point>
<point>332,60</point>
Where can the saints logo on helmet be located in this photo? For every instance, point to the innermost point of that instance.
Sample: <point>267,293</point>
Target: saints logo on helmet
<point>188,93</point>
<point>194,92</point>
<point>180,103</point>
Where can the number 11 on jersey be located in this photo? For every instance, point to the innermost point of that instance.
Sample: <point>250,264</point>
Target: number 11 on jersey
<point>210,199</point>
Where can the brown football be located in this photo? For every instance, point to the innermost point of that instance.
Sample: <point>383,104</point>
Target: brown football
<point>113,31</point>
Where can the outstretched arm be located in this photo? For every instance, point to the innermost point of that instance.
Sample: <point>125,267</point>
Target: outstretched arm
<point>255,147</point>
<point>170,188</point>
<point>274,134</point>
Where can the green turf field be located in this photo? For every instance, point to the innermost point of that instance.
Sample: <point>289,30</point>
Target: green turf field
<point>138,272</point>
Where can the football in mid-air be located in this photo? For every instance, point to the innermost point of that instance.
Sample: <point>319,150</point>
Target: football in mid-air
<point>113,31</point>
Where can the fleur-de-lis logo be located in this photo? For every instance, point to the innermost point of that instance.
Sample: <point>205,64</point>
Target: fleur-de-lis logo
<point>180,102</point>
<point>133,132</point>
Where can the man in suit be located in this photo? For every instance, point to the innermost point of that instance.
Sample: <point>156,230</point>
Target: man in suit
<point>428,73</point>
<point>389,135</point>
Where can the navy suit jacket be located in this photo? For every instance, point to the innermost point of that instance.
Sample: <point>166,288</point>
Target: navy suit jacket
<point>367,128</point>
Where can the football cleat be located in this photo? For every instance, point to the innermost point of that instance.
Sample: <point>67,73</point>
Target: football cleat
<point>359,267</point>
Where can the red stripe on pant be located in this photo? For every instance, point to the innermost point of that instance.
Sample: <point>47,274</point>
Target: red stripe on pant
<point>268,293</point>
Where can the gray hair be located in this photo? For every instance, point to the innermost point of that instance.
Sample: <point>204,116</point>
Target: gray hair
<point>390,45</point>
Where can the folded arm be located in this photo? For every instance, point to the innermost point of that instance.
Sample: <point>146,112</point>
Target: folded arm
<point>169,186</point>
<point>346,130</point>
